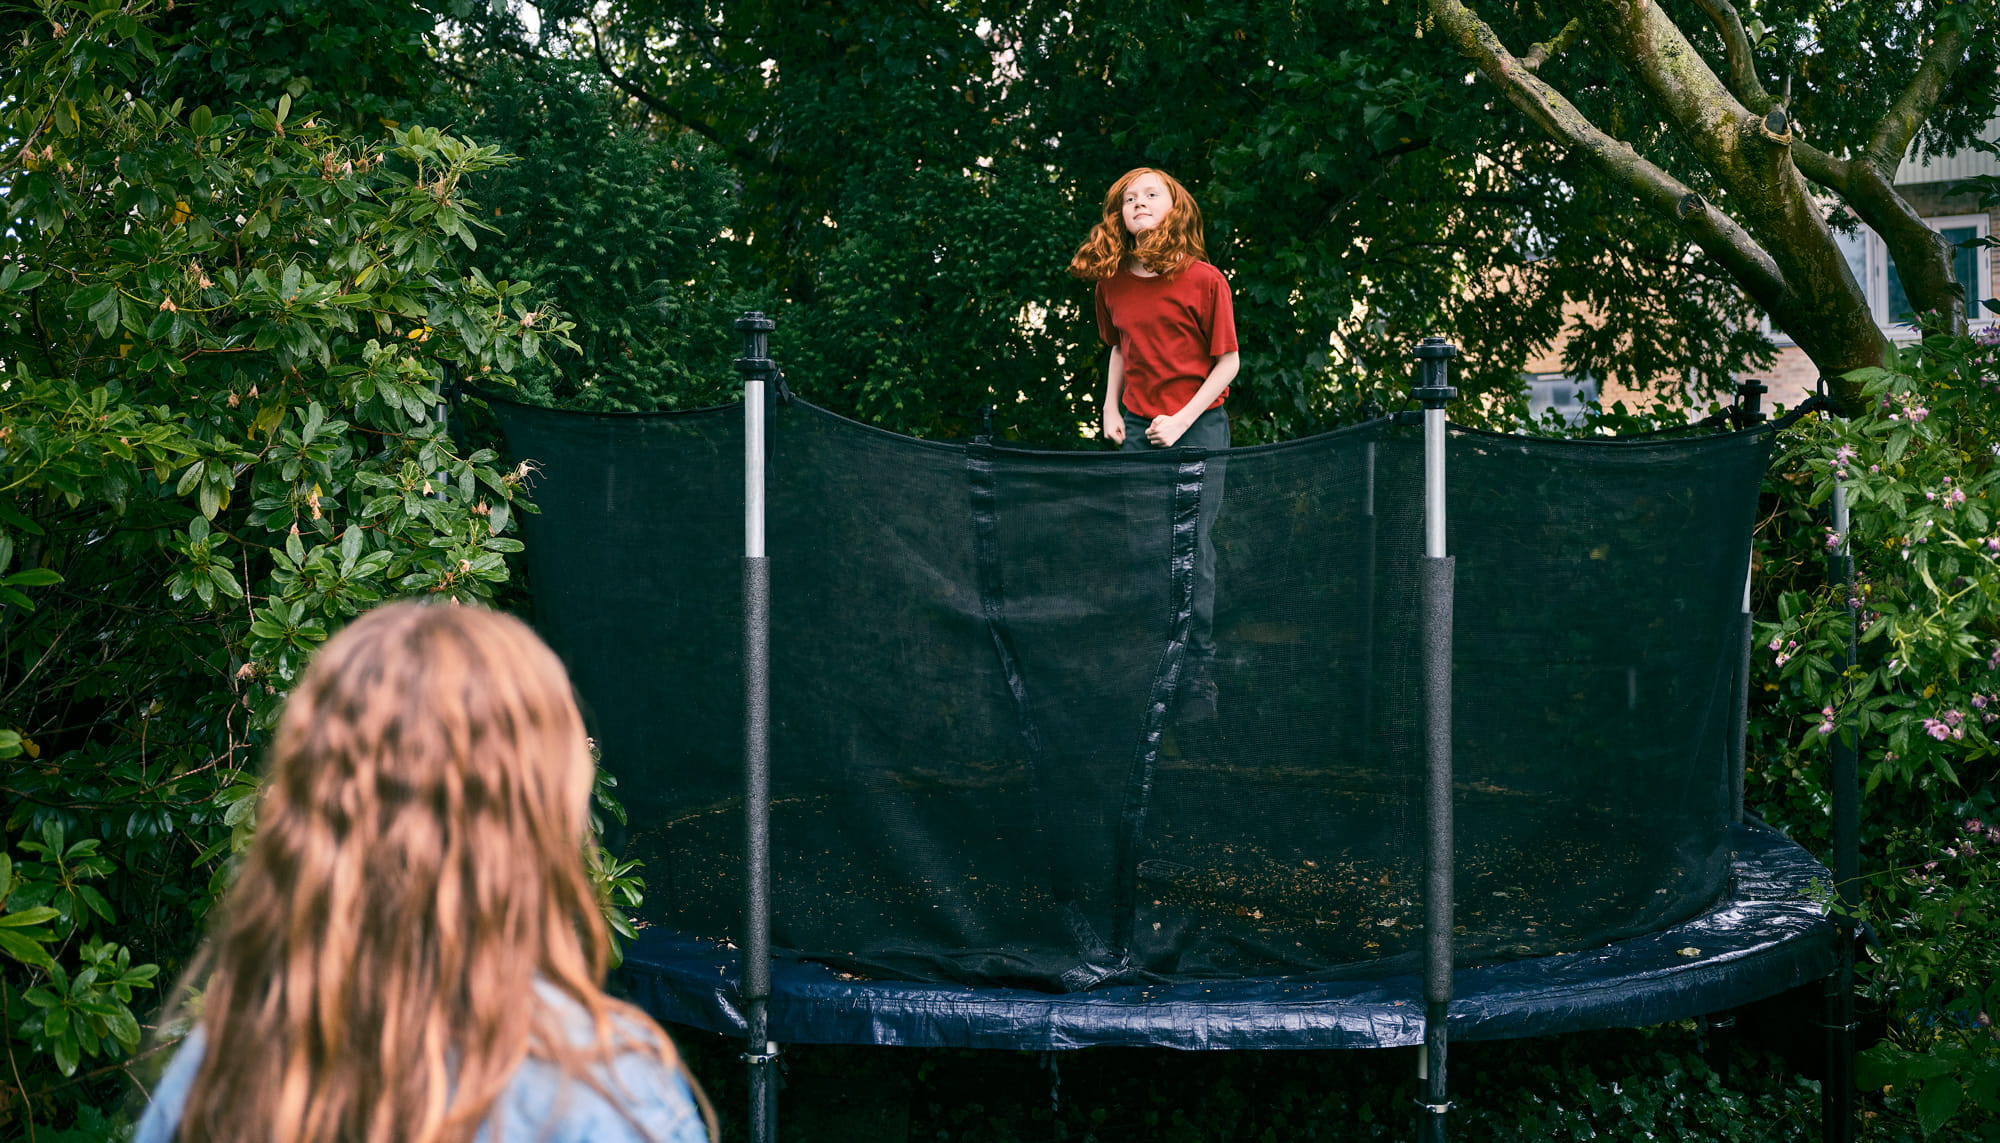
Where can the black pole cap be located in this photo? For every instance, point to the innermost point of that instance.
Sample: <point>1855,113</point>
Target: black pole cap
<point>756,360</point>
<point>1433,388</point>
<point>1749,408</point>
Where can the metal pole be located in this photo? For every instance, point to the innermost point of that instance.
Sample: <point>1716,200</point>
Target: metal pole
<point>1739,723</point>
<point>1837,1090</point>
<point>1433,391</point>
<point>1367,607</point>
<point>1749,411</point>
<point>760,1052</point>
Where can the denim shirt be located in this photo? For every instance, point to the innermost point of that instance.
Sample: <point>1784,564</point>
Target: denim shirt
<point>540,1104</point>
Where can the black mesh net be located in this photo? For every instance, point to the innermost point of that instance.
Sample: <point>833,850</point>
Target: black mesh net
<point>986,766</point>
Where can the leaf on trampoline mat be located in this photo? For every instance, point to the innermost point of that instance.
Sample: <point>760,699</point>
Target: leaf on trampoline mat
<point>1689,951</point>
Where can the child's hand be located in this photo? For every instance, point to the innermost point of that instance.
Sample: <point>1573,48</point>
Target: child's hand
<point>1114,426</point>
<point>1165,430</point>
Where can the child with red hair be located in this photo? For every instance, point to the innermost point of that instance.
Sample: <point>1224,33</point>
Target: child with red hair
<point>1166,314</point>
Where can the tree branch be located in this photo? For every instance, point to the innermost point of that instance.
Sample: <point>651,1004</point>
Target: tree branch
<point>1743,81</point>
<point>1773,242</point>
<point>1892,136</point>
<point>701,127</point>
<point>1725,240</point>
<point>1822,168</point>
<point>1539,54</point>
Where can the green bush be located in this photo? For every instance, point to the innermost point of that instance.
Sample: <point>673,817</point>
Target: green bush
<point>1921,468</point>
<point>222,342</point>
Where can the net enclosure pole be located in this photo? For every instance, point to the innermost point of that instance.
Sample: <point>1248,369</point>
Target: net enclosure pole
<point>1748,413</point>
<point>760,1053</point>
<point>1433,391</point>
<point>1837,1091</point>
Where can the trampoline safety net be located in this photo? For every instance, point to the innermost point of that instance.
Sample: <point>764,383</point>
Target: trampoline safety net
<point>981,774</point>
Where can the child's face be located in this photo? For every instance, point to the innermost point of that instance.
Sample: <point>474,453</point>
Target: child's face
<point>1147,203</point>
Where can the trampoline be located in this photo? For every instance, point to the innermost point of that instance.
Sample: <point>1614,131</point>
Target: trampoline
<point>991,820</point>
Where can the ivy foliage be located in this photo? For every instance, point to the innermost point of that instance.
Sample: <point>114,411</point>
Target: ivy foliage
<point>224,336</point>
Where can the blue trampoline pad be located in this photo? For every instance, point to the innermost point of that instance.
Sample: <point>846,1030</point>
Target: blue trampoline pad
<point>1764,935</point>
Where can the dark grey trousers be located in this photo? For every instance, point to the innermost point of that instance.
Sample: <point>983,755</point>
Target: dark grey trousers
<point>1209,431</point>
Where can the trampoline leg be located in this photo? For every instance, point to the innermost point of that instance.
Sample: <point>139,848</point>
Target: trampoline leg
<point>1836,1090</point>
<point>1431,1070</point>
<point>763,1089</point>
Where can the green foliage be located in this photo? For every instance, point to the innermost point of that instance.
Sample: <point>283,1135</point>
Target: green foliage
<point>1921,469</point>
<point>223,338</point>
<point>913,181</point>
<point>363,65</point>
<point>619,227</point>
<point>620,889</point>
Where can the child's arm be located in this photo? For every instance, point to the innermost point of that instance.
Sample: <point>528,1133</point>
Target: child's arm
<point>1114,389</point>
<point>1167,428</point>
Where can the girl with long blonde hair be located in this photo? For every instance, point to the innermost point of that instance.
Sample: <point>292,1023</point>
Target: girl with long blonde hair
<point>1167,316</point>
<point>413,949</point>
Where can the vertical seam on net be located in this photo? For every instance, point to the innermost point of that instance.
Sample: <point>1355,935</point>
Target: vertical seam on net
<point>1189,476</point>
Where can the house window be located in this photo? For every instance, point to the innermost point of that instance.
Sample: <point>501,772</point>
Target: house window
<point>1560,393</point>
<point>1970,264</point>
<point>1965,266</point>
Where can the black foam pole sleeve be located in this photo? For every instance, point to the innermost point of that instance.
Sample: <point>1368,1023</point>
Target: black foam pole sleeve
<point>1439,575</point>
<point>757,845</point>
<point>1438,581</point>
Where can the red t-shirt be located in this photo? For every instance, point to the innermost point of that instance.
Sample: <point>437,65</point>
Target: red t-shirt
<point>1170,331</point>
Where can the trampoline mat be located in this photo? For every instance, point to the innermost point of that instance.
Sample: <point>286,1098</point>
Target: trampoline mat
<point>1343,899</point>
<point>1764,936</point>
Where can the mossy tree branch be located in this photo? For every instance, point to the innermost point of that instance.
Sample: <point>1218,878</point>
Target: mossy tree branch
<point>1771,238</point>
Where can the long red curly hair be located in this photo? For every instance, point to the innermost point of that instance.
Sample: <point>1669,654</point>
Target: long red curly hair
<point>1166,249</point>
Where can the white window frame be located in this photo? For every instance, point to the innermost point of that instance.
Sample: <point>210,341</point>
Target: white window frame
<point>1582,388</point>
<point>1875,279</point>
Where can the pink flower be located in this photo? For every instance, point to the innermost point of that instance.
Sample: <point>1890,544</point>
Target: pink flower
<point>1954,717</point>
<point>1955,497</point>
<point>1843,454</point>
<point>1979,702</point>
<point>1832,540</point>
<point>1918,413</point>
<point>1936,729</point>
